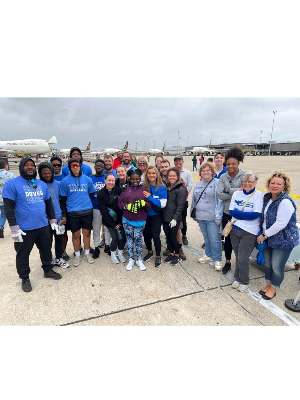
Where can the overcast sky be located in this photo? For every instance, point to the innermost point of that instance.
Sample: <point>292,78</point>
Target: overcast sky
<point>109,122</point>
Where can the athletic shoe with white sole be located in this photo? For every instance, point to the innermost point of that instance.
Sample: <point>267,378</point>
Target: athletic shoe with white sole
<point>61,263</point>
<point>76,261</point>
<point>204,259</point>
<point>114,259</point>
<point>88,258</point>
<point>242,288</point>
<point>148,256</point>
<point>235,284</point>
<point>140,264</point>
<point>130,264</point>
<point>218,265</point>
<point>157,262</point>
<point>122,258</point>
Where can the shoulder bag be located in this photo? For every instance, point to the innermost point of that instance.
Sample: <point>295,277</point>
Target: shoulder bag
<point>193,213</point>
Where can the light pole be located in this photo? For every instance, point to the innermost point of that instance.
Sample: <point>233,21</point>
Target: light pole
<point>144,147</point>
<point>260,136</point>
<point>274,112</point>
<point>154,143</point>
<point>136,146</point>
<point>178,138</point>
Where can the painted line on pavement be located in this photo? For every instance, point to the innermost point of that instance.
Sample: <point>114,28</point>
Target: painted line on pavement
<point>273,308</point>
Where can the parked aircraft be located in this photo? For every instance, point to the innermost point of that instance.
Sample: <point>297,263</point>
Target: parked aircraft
<point>85,151</point>
<point>112,151</point>
<point>156,152</point>
<point>202,150</point>
<point>26,146</point>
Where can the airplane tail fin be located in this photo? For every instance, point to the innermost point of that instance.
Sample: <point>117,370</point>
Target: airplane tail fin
<point>88,147</point>
<point>163,147</point>
<point>53,140</point>
<point>209,144</point>
<point>126,145</point>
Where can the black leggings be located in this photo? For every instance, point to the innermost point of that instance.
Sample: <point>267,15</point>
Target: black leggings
<point>115,243</point>
<point>152,231</point>
<point>184,215</point>
<point>227,244</point>
<point>171,235</point>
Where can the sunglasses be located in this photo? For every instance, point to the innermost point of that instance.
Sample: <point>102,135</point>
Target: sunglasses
<point>34,185</point>
<point>142,163</point>
<point>56,165</point>
<point>75,165</point>
<point>278,176</point>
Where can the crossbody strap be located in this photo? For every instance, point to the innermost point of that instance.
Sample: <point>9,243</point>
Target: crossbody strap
<point>233,222</point>
<point>203,192</point>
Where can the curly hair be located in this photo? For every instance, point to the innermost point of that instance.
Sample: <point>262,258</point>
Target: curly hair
<point>235,152</point>
<point>280,174</point>
<point>210,165</point>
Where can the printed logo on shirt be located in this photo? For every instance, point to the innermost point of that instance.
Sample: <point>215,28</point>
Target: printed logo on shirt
<point>33,195</point>
<point>74,187</point>
<point>98,186</point>
<point>241,203</point>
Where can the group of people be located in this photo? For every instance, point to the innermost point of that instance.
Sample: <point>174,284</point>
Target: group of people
<point>226,195</point>
<point>125,204</point>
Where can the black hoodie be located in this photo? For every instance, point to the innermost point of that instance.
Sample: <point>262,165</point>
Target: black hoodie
<point>21,169</point>
<point>73,149</point>
<point>46,164</point>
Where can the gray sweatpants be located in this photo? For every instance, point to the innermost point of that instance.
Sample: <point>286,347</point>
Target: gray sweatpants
<point>243,244</point>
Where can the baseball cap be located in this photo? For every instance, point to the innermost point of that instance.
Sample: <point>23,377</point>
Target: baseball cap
<point>179,156</point>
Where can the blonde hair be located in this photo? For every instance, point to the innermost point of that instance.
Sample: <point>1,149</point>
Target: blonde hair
<point>280,174</point>
<point>146,180</point>
<point>210,165</point>
<point>142,158</point>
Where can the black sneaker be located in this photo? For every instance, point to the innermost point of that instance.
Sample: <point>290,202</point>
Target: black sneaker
<point>203,246</point>
<point>226,268</point>
<point>92,251</point>
<point>148,256</point>
<point>26,285</point>
<point>52,274</point>
<point>185,240</point>
<point>166,252</point>
<point>157,261</point>
<point>1,233</point>
<point>96,252</point>
<point>107,249</point>
<point>175,260</point>
<point>181,254</point>
<point>168,259</point>
<point>65,256</point>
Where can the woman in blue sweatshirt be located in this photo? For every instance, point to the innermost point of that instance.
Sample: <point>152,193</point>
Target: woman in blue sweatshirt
<point>245,208</point>
<point>135,207</point>
<point>156,193</point>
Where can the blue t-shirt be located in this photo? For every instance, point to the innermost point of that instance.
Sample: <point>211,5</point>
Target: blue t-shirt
<point>77,190</point>
<point>30,211</point>
<point>158,197</point>
<point>86,170</point>
<point>53,188</point>
<point>113,171</point>
<point>99,183</point>
<point>59,178</point>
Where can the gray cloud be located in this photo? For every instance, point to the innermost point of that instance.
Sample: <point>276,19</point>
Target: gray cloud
<point>109,122</point>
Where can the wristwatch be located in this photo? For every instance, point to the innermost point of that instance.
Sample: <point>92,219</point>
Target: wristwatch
<point>264,236</point>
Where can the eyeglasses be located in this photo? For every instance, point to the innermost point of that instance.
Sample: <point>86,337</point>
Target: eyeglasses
<point>56,165</point>
<point>205,170</point>
<point>34,185</point>
<point>249,181</point>
<point>75,165</point>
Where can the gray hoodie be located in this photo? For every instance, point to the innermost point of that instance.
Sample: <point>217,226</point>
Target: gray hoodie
<point>226,182</point>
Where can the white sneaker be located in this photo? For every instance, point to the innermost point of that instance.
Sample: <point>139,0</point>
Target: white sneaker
<point>140,264</point>
<point>130,264</point>
<point>235,284</point>
<point>122,258</point>
<point>114,259</point>
<point>242,288</point>
<point>89,258</point>
<point>61,263</point>
<point>204,259</point>
<point>218,265</point>
<point>77,261</point>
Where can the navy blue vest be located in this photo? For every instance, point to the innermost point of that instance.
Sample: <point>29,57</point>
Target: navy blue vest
<point>288,237</point>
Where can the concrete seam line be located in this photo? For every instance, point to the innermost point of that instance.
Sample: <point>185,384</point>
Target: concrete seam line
<point>281,314</point>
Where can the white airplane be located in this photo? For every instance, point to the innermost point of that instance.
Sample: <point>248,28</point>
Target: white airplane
<point>202,150</point>
<point>85,151</point>
<point>157,152</point>
<point>26,146</point>
<point>114,151</point>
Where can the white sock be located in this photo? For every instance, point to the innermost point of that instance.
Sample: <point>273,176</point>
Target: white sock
<point>77,253</point>
<point>86,251</point>
<point>113,253</point>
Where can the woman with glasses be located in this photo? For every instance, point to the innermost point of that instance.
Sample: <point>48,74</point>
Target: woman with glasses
<point>209,211</point>
<point>142,165</point>
<point>229,183</point>
<point>279,230</point>
<point>245,209</point>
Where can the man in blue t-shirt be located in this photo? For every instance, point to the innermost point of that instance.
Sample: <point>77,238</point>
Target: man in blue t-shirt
<point>56,163</point>
<point>28,207</point>
<point>77,192</point>
<point>99,182</point>
<point>75,152</point>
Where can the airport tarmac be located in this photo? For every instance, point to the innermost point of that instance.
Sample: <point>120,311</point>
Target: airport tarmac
<point>189,294</point>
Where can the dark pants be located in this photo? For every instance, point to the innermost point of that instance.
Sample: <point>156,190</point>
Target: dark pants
<point>227,244</point>
<point>152,231</point>
<point>57,244</point>
<point>115,242</point>
<point>184,215</point>
<point>171,235</point>
<point>41,237</point>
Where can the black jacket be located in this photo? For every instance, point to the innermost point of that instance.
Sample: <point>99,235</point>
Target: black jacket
<point>109,200</point>
<point>175,202</point>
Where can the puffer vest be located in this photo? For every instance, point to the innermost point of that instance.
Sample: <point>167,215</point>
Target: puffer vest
<point>288,237</point>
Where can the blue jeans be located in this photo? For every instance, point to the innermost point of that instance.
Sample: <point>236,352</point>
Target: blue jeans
<point>212,238</point>
<point>2,217</point>
<point>275,260</point>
